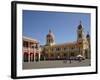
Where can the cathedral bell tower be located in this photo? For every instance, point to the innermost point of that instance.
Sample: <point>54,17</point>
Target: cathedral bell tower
<point>89,44</point>
<point>82,41</point>
<point>50,39</point>
<point>80,33</point>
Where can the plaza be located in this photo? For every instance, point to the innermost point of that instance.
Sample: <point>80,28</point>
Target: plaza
<point>56,64</point>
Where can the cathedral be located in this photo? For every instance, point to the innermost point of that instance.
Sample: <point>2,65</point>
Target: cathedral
<point>32,51</point>
<point>53,51</point>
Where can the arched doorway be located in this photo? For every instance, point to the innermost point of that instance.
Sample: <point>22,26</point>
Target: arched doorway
<point>65,55</point>
<point>86,54</point>
<point>26,57</point>
<point>58,56</point>
<point>37,57</point>
<point>72,54</point>
<point>42,57</point>
<point>46,56</point>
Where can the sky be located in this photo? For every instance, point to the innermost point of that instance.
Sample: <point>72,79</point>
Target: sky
<point>36,25</point>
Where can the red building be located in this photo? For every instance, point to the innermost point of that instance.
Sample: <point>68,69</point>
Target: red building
<point>31,50</point>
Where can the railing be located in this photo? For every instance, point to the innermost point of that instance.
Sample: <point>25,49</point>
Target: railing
<point>30,49</point>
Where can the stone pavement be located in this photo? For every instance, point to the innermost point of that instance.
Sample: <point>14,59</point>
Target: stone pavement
<point>55,64</point>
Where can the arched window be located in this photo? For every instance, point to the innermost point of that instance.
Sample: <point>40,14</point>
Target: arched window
<point>86,53</point>
<point>25,44</point>
<point>26,57</point>
<point>80,36</point>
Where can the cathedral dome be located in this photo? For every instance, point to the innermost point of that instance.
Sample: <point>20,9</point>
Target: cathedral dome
<point>50,39</point>
<point>87,35</point>
<point>80,26</point>
<point>50,34</point>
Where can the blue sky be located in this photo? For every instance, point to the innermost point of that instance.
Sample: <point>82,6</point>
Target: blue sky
<point>36,25</point>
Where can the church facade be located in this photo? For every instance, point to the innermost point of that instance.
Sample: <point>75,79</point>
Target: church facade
<point>81,46</point>
<point>32,51</point>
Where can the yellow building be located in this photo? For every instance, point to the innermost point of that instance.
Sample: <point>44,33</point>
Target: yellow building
<point>66,50</point>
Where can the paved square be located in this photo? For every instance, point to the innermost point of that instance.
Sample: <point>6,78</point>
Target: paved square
<point>56,64</point>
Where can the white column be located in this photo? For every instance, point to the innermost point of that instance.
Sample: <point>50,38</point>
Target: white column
<point>28,52</point>
<point>38,51</point>
<point>34,52</point>
<point>39,55</point>
<point>34,56</point>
